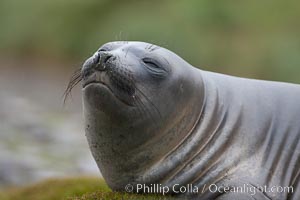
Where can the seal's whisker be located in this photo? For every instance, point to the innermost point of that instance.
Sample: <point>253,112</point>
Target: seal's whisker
<point>127,51</point>
<point>149,46</point>
<point>153,47</point>
<point>145,109</point>
<point>154,106</point>
<point>69,89</point>
<point>140,106</point>
<point>74,80</point>
<point>151,103</point>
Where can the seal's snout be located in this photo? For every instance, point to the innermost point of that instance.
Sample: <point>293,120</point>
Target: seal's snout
<point>98,62</point>
<point>102,68</point>
<point>101,59</point>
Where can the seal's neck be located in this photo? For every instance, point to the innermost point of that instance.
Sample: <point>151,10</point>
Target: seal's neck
<point>129,153</point>
<point>202,149</point>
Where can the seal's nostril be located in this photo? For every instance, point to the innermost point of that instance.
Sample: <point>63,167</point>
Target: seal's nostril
<point>98,61</point>
<point>96,58</point>
<point>107,58</point>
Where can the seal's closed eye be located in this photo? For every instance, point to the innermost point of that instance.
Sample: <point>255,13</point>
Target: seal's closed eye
<point>154,67</point>
<point>151,62</point>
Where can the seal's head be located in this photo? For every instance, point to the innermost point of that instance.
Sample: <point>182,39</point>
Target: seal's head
<point>128,79</point>
<point>140,101</point>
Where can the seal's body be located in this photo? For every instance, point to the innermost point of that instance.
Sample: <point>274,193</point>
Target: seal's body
<point>152,118</point>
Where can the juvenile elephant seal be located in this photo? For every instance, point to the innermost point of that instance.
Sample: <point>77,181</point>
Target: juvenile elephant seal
<point>159,124</point>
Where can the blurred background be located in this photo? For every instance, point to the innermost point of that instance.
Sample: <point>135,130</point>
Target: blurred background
<point>43,42</point>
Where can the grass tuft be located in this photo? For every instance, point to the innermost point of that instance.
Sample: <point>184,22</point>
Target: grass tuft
<point>82,188</point>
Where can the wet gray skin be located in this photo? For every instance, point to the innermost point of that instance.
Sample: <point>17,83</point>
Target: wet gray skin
<point>152,118</point>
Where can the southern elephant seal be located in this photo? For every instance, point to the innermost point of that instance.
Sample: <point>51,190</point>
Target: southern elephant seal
<point>153,120</point>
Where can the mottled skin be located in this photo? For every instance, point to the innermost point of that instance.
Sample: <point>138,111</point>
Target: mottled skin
<point>151,117</point>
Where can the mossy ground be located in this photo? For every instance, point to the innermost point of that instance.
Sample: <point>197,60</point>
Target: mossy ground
<point>83,188</point>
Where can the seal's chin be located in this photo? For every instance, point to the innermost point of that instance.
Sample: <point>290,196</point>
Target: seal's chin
<point>101,87</point>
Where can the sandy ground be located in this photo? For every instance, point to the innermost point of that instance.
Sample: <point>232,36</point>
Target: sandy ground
<point>40,137</point>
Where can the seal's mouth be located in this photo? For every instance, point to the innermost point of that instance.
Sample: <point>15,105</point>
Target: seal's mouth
<point>105,81</point>
<point>84,85</point>
<point>92,80</point>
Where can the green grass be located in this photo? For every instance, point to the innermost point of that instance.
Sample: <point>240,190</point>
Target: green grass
<point>118,196</point>
<point>83,188</point>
